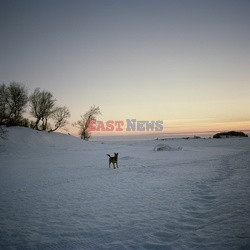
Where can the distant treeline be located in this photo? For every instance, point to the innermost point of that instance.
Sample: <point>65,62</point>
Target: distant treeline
<point>45,114</point>
<point>230,134</point>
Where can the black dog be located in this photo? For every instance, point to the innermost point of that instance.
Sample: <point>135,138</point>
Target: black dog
<point>113,160</point>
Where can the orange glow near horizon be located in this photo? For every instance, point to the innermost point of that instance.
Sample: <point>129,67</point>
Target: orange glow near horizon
<point>185,126</point>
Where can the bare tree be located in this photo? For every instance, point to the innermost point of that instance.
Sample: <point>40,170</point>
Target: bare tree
<point>83,123</point>
<point>60,116</point>
<point>13,100</point>
<point>3,103</point>
<point>18,98</point>
<point>42,104</point>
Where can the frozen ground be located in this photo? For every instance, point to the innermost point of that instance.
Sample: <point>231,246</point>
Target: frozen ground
<point>57,192</point>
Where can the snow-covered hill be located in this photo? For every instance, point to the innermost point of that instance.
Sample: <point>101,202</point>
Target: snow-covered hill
<point>57,192</point>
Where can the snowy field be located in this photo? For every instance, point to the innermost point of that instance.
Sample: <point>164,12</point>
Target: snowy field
<point>57,192</point>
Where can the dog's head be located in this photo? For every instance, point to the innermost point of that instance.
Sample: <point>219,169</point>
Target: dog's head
<point>116,155</point>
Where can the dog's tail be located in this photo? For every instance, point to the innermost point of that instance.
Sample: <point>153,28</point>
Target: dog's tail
<point>108,155</point>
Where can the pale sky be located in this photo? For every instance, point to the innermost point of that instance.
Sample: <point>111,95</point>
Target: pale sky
<point>184,62</point>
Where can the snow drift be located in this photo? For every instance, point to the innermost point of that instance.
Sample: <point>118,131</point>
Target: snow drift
<point>164,147</point>
<point>57,192</point>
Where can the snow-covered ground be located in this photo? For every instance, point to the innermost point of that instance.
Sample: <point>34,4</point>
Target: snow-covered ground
<point>57,192</point>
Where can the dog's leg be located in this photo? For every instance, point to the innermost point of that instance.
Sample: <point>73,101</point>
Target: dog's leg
<point>117,164</point>
<point>114,165</point>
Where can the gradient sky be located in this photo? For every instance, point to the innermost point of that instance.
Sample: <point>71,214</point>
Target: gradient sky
<point>184,62</point>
